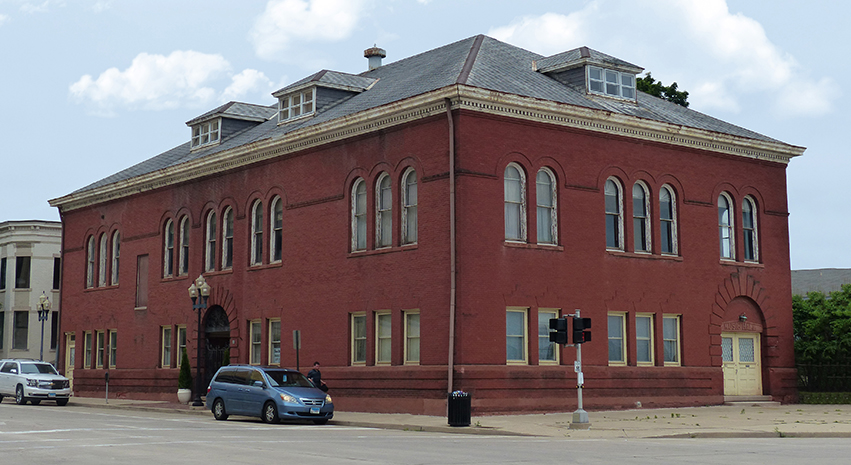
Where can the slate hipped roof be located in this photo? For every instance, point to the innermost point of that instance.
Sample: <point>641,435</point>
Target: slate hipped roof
<point>238,110</point>
<point>478,61</point>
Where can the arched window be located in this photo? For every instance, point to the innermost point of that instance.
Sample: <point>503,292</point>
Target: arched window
<point>90,262</point>
<point>641,217</point>
<point>515,203</point>
<point>116,252</point>
<point>614,216</point>
<point>383,212</point>
<point>168,252</point>
<point>257,233</point>
<point>210,252</point>
<point>668,220</point>
<point>277,225</point>
<point>359,215</point>
<point>409,207</point>
<point>183,262</point>
<point>227,239</point>
<point>725,226</point>
<point>545,195</point>
<point>102,260</point>
<point>749,230</point>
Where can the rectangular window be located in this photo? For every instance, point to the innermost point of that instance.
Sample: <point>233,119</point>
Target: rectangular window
<point>57,272</point>
<point>617,344</point>
<point>274,342</point>
<point>547,351</point>
<point>255,338</point>
<point>87,349</point>
<point>358,339</point>
<point>515,336</point>
<point>102,261</point>
<point>644,339</point>
<point>609,82</point>
<point>21,330</point>
<point>165,359</point>
<point>22,272</point>
<point>142,281</point>
<point>181,341</point>
<point>113,347</point>
<point>205,133</point>
<point>100,352</point>
<point>2,273</point>
<point>54,330</point>
<point>294,105</point>
<point>383,332</point>
<point>671,338</point>
<point>2,328</point>
<point>412,337</point>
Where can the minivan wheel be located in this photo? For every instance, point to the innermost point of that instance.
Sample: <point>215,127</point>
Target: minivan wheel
<point>19,396</point>
<point>35,401</point>
<point>61,402</point>
<point>320,422</point>
<point>219,411</point>
<point>270,413</point>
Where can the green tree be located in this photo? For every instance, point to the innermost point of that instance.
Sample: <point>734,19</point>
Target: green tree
<point>655,88</point>
<point>822,327</point>
<point>184,378</point>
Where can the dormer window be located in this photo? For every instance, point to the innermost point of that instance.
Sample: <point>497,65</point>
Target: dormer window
<point>612,83</point>
<point>205,133</point>
<point>297,104</point>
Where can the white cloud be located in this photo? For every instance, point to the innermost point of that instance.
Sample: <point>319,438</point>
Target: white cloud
<point>720,57</point>
<point>286,22</point>
<point>246,82</point>
<point>3,19</point>
<point>154,82</point>
<point>102,5</point>
<point>29,7</point>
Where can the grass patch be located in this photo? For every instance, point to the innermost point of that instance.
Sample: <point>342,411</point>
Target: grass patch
<point>825,397</point>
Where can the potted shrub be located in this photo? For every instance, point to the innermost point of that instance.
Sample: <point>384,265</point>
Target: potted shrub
<point>184,380</point>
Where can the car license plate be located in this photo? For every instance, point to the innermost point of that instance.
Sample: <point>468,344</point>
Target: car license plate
<point>52,394</point>
<point>314,410</point>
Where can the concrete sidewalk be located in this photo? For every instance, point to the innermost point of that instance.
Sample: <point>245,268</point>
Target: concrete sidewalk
<point>723,421</point>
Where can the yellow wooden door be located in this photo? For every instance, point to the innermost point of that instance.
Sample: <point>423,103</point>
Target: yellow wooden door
<point>741,364</point>
<point>70,357</point>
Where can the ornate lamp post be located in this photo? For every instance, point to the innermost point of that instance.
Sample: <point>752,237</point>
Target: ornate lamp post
<point>201,287</point>
<point>43,312</point>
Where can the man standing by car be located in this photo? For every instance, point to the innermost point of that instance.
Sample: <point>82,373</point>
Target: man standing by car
<point>315,377</point>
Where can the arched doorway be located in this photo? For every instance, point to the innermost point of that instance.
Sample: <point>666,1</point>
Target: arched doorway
<point>217,340</point>
<point>741,348</point>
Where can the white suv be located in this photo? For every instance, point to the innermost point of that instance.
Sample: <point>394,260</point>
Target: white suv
<point>34,381</point>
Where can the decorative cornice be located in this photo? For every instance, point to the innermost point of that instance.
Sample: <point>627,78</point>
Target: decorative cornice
<point>423,106</point>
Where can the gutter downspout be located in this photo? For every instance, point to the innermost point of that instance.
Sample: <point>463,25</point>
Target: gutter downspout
<point>452,271</point>
<point>60,341</point>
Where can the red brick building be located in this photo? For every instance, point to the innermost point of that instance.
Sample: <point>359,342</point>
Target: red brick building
<point>421,222</point>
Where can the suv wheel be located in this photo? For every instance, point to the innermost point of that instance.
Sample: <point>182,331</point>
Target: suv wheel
<point>1,397</point>
<point>219,410</point>
<point>320,422</point>
<point>61,402</point>
<point>270,413</point>
<point>19,396</point>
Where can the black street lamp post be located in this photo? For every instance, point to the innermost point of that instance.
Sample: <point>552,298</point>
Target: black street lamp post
<point>201,287</point>
<point>43,312</point>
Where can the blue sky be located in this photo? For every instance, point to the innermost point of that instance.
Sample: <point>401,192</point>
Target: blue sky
<point>90,87</point>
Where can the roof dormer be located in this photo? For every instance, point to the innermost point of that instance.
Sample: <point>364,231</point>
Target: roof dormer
<point>214,126</point>
<point>318,92</point>
<point>596,72</point>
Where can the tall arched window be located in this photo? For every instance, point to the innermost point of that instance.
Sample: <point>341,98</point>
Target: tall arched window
<point>227,239</point>
<point>257,233</point>
<point>668,220</point>
<point>90,262</point>
<point>168,251</point>
<point>614,216</point>
<point>545,195</point>
<point>641,217</point>
<point>383,211</point>
<point>359,215</point>
<point>102,260</point>
<point>116,252</point>
<point>277,225</point>
<point>183,262</point>
<point>210,251</point>
<point>515,203</point>
<point>750,243</point>
<point>725,226</point>
<point>409,207</point>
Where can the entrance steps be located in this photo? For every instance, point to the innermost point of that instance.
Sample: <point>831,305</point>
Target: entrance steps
<point>753,401</point>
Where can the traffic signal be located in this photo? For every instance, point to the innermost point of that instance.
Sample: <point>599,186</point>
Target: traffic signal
<point>581,331</point>
<point>558,330</point>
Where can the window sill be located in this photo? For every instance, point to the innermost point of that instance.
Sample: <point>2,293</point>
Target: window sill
<point>742,264</point>
<point>526,245</point>
<point>218,272</point>
<point>168,279</point>
<point>266,266</point>
<point>383,250</point>
<point>104,288</point>
<point>646,256</point>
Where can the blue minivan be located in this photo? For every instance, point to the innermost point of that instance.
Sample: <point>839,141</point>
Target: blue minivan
<point>271,393</point>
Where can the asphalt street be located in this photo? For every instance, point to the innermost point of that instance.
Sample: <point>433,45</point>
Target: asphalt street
<point>51,434</point>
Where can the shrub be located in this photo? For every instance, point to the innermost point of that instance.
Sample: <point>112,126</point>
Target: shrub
<point>184,379</point>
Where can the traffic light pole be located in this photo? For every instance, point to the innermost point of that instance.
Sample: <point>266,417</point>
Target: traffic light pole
<point>580,416</point>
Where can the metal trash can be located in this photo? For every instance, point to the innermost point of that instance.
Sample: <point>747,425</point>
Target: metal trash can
<point>459,408</point>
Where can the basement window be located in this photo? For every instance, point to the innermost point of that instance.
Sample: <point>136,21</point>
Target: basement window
<point>294,105</point>
<point>611,83</point>
<point>205,133</point>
